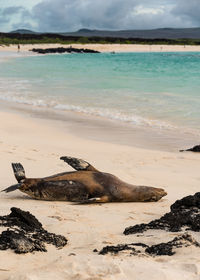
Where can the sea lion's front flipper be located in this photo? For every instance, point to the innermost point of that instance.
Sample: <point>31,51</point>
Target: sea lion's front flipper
<point>18,171</point>
<point>102,199</point>
<point>79,164</point>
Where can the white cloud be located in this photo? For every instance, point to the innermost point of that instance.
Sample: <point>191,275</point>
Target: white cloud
<point>24,3</point>
<point>142,10</point>
<point>70,15</point>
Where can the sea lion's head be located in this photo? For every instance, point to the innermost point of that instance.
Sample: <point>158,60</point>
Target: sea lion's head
<point>154,194</point>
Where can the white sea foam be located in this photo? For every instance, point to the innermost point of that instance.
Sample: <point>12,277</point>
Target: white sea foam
<point>101,112</point>
<point>146,90</point>
<point>115,115</point>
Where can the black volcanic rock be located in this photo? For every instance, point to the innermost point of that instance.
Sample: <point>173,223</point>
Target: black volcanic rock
<point>161,249</point>
<point>166,249</point>
<point>63,50</point>
<point>184,212</point>
<point>195,149</point>
<point>187,202</point>
<point>25,233</point>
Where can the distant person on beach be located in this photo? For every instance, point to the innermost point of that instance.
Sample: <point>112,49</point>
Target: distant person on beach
<point>18,47</point>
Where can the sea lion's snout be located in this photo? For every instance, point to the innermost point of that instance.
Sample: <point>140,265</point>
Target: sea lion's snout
<point>158,194</point>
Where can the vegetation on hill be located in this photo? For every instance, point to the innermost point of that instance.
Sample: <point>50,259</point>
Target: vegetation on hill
<point>16,38</point>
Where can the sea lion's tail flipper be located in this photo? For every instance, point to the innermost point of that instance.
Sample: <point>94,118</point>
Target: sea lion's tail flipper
<point>79,164</point>
<point>12,188</point>
<point>18,171</point>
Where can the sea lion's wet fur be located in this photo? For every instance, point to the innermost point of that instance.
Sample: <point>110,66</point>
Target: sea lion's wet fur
<point>86,185</point>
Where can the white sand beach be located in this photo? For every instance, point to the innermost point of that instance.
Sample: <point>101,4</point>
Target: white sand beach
<point>109,47</point>
<point>37,141</point>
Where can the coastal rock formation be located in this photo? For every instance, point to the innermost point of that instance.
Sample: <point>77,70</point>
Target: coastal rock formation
<point>122,247</point>
<point>160,249</point>
<point>63,50</point>
<point>25,233</point>
<point>184,212</point>
<point>195,149</point>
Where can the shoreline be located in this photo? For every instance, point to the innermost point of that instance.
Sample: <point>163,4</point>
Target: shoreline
<point>98,128</point>
<point>38,137</point>
<point>38,143</point>
<point>107,47</point>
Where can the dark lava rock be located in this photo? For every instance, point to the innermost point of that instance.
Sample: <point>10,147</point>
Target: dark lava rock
<point>122,247</point>
<point>19,242</point>
<point>184,212</point>
<point>63,50</point>
<point>25,233</point>
<point>195,149</point>
<point>24,219</point>
<point>187,202</point>
<point>160,249</point>
<point>116,249</point>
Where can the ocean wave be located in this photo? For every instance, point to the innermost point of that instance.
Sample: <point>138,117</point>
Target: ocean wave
<point>115,115</point>
<point>108,113</point>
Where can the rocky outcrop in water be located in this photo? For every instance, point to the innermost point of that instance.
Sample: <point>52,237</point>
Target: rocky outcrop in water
<point>63,50</point>
<point>25,233</point>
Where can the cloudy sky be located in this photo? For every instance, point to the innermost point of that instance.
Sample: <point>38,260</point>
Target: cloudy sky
<point>71,15</point>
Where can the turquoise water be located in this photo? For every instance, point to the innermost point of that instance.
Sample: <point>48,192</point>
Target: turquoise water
<point>145,89</point>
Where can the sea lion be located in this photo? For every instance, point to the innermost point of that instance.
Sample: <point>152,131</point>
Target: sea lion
<point>85,185</point>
